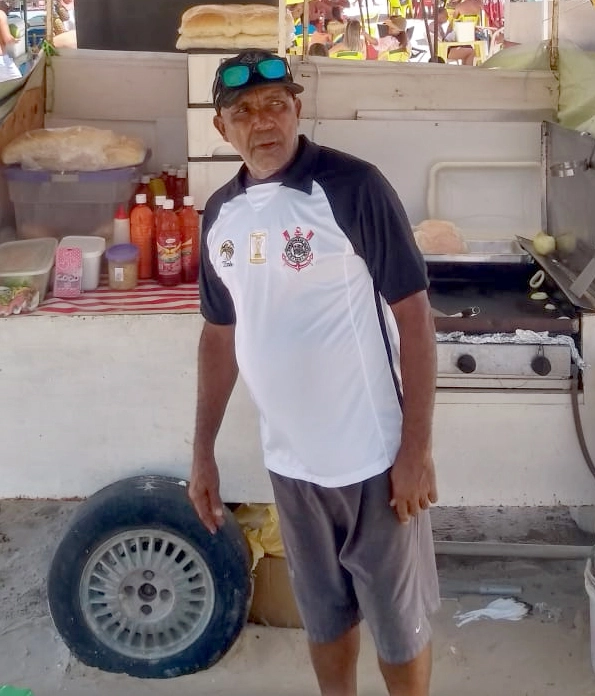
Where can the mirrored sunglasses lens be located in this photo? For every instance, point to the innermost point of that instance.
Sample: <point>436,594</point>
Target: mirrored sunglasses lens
<point>235,75</point>
<point>272,68</point>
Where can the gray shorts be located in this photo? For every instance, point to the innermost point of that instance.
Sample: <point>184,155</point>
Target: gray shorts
<point>349,558</point>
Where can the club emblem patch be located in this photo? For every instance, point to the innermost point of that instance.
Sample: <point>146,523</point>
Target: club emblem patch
<point>226,253</point>
<point>298,252</point>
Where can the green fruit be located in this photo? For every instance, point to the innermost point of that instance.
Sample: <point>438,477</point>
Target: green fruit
<point>544,244</point>
<point>14,31</point>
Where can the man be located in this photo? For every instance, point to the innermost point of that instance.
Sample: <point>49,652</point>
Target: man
<point>466,54</point>
<point>309,273</point>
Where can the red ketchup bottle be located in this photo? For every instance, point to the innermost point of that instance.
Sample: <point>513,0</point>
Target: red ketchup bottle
<point>142,235</point>
<point>188,218</point>
<point>169,247</point>
<point>180,189</point>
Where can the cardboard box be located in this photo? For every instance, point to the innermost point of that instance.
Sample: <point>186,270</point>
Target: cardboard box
<point>273,603</point>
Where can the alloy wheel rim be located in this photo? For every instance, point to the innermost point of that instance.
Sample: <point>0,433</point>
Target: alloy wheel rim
<point>146,593</point>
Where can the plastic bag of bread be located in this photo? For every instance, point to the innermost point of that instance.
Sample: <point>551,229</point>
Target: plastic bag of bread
<point>232,26</point>
<point>77,148</point>
<point>439,237</point>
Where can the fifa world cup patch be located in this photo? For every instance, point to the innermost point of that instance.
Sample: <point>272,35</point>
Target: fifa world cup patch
<point>298,253</point>
<point>258,246</point>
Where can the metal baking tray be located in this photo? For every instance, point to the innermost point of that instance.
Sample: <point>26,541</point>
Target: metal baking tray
<point>485,251</point>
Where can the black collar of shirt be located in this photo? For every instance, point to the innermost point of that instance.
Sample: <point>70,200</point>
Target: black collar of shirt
<point>296,175</point>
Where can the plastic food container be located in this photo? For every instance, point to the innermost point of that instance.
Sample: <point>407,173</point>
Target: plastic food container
<point>56,204</point>
<point>92,248</point>
<point>27,263</point>
<point>464,31</point>
<point>122,262</point>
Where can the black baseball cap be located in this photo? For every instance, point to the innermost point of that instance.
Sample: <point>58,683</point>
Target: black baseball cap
<point>252,67</point>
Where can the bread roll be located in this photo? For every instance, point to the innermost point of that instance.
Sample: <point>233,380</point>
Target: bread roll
<point>239,41</point>
<point>259,20</point>
<point>78,148</point>
<point>231,26</point>
<point>211,21</point>
<point>439,237</point>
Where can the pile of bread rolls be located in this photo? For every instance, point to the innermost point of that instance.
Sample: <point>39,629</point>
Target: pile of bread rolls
<point>76,148</point>
<point>232,26</point>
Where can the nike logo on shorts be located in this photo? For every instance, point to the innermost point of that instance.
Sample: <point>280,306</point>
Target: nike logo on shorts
<point>418,629</point>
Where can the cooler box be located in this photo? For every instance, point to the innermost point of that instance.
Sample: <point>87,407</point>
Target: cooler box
<point>55,204</point>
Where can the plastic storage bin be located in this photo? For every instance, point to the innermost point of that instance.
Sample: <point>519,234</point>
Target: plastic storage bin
<point>92,248</point>
<point>27,262</point>
<point>54,204</point>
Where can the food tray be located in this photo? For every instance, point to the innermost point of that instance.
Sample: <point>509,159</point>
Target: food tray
<point>486,251</point>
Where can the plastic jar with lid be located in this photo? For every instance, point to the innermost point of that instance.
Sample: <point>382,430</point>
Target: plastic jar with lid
<point>122,260</point>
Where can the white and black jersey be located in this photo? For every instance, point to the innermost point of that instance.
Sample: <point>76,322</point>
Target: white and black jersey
<point>305,268</point>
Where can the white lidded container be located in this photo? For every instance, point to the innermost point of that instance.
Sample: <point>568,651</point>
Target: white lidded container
<point>28,262</point>
<point>92,248</point>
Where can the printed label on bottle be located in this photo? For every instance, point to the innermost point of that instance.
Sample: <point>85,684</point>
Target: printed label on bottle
<point>169,259</point>
<point>119,275</point>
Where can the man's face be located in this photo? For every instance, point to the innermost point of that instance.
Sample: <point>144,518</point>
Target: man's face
<point>262,125</point>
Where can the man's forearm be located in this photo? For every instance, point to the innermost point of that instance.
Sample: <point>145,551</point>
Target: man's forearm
<point>418,373</point>
<point>217,375</point>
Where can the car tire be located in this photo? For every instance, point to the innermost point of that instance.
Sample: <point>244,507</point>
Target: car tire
<point>138,584</point>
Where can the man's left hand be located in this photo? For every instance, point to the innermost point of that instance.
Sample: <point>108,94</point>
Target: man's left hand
<point>413,484</point>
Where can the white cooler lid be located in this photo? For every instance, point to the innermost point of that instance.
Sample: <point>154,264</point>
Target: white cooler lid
<point>88,244</point>
<point>487,200</point>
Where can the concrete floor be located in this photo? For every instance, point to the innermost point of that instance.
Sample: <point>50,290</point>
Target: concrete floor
<point>547,653</point>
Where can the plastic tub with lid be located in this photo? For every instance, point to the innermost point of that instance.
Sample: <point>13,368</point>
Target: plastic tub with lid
<point>27,263</point>
<point>92,248</point>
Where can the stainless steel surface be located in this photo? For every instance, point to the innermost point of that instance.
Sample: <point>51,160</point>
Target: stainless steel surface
<point>562,276</point>
<point>570,200</point>
<point>503,360</point>
<point>485,251</point>
<point>584,280</point>
<point>570,168</point>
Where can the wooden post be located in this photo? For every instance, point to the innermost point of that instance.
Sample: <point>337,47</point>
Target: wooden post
<point>306,29</point>
<point>282,28</point>
<point>553,45</point>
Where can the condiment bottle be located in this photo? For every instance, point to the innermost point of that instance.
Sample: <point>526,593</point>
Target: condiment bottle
<point>142,235</point>
<point>169,247</point>
<point>157,188</point>
<point>121,233</point>
<point>164,170</point>
<point>181,188</point>
<point>170,182</point>
<point>157,215</point>
<point>188,218</point>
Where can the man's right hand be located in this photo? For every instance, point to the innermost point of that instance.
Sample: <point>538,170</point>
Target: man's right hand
<point>204,494</point>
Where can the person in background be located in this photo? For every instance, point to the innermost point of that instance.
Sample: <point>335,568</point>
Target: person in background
<point>336,25</point>
<point>396,39</point>
<point>8,68</point>
<point>465,54</point>
<point>313,289</point>
<point>354,39</point>
<point>318,49</point>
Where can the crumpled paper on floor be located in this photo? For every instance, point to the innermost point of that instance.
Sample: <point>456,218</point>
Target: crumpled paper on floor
<point>260,524</point>
<point>501,608</point>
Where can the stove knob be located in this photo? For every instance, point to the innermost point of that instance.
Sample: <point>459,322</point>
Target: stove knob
<point>541,365</point>
<point>466,364</point>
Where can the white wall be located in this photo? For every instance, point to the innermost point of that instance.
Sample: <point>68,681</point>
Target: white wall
<point>143,94</point>
<point>530,22</point>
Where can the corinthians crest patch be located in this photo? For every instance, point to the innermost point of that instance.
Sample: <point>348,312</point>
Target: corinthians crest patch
<point>298,252</point>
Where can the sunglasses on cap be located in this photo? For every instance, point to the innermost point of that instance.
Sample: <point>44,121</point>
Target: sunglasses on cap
<point>251,68</point>
<point>239,75</point>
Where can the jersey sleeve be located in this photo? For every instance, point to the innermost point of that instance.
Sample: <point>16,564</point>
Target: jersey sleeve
<point>385,239</point>
<point>370,213</point>
<point>216,304</point>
